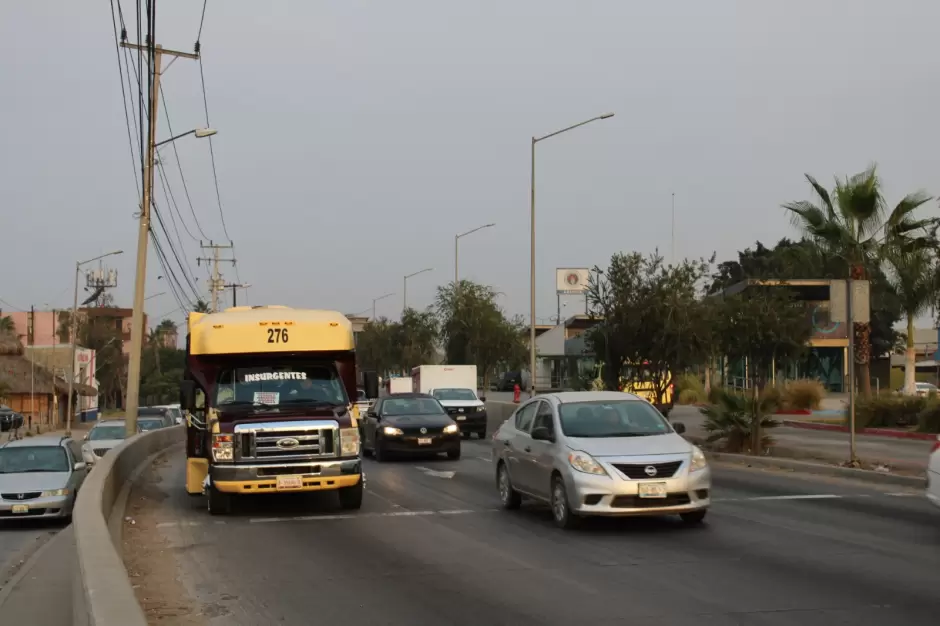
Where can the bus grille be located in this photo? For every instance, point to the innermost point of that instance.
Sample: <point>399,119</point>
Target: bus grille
<point>288,444</point>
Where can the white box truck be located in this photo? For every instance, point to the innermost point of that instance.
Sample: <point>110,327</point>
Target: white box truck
<point>455,387</point>
<point>398,384</point>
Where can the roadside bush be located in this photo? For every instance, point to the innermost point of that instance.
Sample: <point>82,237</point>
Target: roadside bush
<point>928,420</point>
<point>804,394</point>
<point>689,381</point>
<point>730,418</point>
<point>888,411</point>
<point>690,396</point>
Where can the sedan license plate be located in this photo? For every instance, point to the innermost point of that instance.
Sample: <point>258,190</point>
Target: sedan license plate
<point>461,418</point>
<point>286,483</point>
<point>19,509</point>
<point>652,490</point>
<point>424,441</point>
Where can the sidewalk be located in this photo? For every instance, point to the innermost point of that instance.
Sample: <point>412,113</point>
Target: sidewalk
<point>828,446</point>
<point>41,591</point>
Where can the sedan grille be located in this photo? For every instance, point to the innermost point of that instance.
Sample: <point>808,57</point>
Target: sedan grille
<point>415,431</point>
<point>634,502</point>
<point>639,471</point>
<point>29,495</point>
<point>101,451</point>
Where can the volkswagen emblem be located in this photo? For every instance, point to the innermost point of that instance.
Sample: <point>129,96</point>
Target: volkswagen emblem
<point>650,470</point>
<point>287,442</point>
<point>424,431</point>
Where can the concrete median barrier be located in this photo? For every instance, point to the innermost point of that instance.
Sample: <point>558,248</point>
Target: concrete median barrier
<point>497,413</point>
<point>102,592</point>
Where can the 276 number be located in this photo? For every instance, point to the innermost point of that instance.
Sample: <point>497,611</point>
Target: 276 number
<point>277,335</point>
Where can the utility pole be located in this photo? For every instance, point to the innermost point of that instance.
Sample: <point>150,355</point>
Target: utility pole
<point>31,341</point>
<point>672,250</point>
<point>216,284</point>
<point>156,54</point>
<point>234,287</point>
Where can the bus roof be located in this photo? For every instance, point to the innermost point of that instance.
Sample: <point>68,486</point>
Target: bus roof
<point>241,330</point>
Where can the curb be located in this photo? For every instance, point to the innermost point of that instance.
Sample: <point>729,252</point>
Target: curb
<point>819,469</point>
<point>870,432</point>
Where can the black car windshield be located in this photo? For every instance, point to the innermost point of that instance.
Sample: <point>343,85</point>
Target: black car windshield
<point>33,459</point>
<point>412,406</point>
<point>454,394</point>
<point>100,433</point>
<point>617,418</point>
<point>280,384</point>
<point>150,424</point>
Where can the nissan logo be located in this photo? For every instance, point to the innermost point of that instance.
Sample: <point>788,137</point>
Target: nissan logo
<point>424,431</point>
<point>287,442</point>
<point>650,470</point>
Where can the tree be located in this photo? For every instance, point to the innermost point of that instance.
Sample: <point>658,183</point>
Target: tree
<point>375,346</point>
<point>760,326</point>
<point>6,325</point>
<point>417,339</point>
<point>652,322</point>
<point>851,224</point>
<point>915,280</point>
<point>475,331</point>
<point>201,306</point>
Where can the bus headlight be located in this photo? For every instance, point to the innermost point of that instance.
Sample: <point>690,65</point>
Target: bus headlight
<point>223,448</point>
<point>349,441</point>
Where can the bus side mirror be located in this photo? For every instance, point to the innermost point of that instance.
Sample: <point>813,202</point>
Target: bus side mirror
<point>187,395</point>
<point>370,384</point>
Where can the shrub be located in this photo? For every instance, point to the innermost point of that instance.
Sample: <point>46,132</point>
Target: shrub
<point>689,381</point>
<point>731,417</point>
<point>690,396</point>
<point>888,411</point>
<point>928,420</point>
<point>805,394</point>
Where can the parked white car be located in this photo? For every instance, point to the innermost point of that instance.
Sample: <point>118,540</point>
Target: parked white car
<point>933,474</point>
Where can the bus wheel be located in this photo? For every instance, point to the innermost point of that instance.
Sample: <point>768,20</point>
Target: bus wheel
<point>350,498</point>
<point>219,503</point>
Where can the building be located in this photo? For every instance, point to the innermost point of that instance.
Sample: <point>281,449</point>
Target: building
<point>56,359</point>
<point>562,356</point>
<point>46,323</point>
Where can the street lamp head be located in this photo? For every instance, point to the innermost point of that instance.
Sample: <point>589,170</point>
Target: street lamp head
<point>606,115</point>
<point>115,253</point>
<point>208,132</point>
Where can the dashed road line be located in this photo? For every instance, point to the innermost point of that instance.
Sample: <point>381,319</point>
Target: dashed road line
<point>334,517</point>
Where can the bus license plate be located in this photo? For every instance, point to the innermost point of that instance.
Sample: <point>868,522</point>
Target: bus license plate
<point>652,490</point>
<point>286,483</point>
<point>424,441</point>
<point>20,508</point>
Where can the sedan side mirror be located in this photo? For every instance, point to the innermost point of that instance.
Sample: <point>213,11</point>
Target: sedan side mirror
<point>80,466</point>
<point>542,433</point>
<point>482,398</point>
<point>679,427</point>
<point>85,438</point>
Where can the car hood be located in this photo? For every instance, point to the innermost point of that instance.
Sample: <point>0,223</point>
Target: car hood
<point>33,481</point>
<point>670,443</point>
<point>406,421</point>
<point>459,403</point>
<point>97,444</point>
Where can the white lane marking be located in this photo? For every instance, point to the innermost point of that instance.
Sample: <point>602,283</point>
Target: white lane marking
<point>901,494</point>
<point>334,517</point>
<point>484,458</point>
<point>799,496</point>
<point>435,473</point>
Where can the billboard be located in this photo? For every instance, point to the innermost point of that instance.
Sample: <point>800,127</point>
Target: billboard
<point>571,280</point>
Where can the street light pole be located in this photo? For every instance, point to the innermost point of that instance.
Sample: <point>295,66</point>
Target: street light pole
<point>73,325</point>
<point>535,140</point>
<point>374,300</point>
<point>404,300</point>
<point>457,254</point>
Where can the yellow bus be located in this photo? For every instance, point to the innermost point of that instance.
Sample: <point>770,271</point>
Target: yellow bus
<point>641,384</point>
<point>270,397</point>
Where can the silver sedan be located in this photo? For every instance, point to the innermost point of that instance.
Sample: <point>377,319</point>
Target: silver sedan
<point>599,453</point>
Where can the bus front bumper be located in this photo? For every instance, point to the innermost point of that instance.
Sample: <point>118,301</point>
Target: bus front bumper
<point>286,477</point>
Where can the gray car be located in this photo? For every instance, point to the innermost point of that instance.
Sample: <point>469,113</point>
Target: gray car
<point>102,438</point>
<point>40,477</point>
<point>599,453</point>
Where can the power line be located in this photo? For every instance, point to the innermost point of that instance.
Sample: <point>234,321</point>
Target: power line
<point>171,200</point>
<point>169,242</point>
<point>202,20</point>
<point>176,287</point>
<point>127,123</point>
<point>166,114</point>
<point>215,176</point>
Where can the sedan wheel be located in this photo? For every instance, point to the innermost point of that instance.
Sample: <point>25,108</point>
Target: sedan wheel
<point>508,496</point>
<point>561,512</point>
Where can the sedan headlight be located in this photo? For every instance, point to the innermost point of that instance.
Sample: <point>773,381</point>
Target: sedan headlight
<point>699,462</point>
<point>480,409</point>
<point>391,431</point>
<point>450,429</point>
<point>349,441</point>
<point>55,493</point>
<point>584,462</point>
<point>223,448</point>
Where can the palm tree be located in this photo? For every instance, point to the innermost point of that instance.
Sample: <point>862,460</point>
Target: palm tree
<point>201,307</point>
<point>6,325</point>
<point>914,278</point>
<point>851,224</point>
<point>154,340</point>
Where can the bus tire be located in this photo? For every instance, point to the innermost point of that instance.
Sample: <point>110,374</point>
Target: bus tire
<point>219,503</point>
<point>350,498</point>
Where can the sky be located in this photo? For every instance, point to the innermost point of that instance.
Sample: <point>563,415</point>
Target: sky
<point>357,137</point>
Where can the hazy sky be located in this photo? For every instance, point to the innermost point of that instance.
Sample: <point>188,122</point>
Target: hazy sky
<point>356,137</point>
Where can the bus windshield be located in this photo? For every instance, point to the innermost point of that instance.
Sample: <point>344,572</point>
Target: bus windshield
<point>272,385</point>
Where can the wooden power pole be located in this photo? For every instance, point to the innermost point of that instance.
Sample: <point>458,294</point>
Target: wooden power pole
<point>216,284</point>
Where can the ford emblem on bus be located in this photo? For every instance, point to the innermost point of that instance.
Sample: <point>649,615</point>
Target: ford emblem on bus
<point>287,442</point>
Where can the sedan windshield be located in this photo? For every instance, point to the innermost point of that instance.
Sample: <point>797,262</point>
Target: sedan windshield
<point>33,459</point>
<point>150,424</point>
<point>454,394</point>
<point>281,384</point>
<point>100,433</point>
<point>619,418</point>
<point>412,406</point>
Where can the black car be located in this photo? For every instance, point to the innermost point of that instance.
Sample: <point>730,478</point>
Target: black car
<point>9,419</point>
<point>162,412</point>
<point>408,424</point>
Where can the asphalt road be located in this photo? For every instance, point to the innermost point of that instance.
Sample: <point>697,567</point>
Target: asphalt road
<point>18,540</point>
<point>431,547</point>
